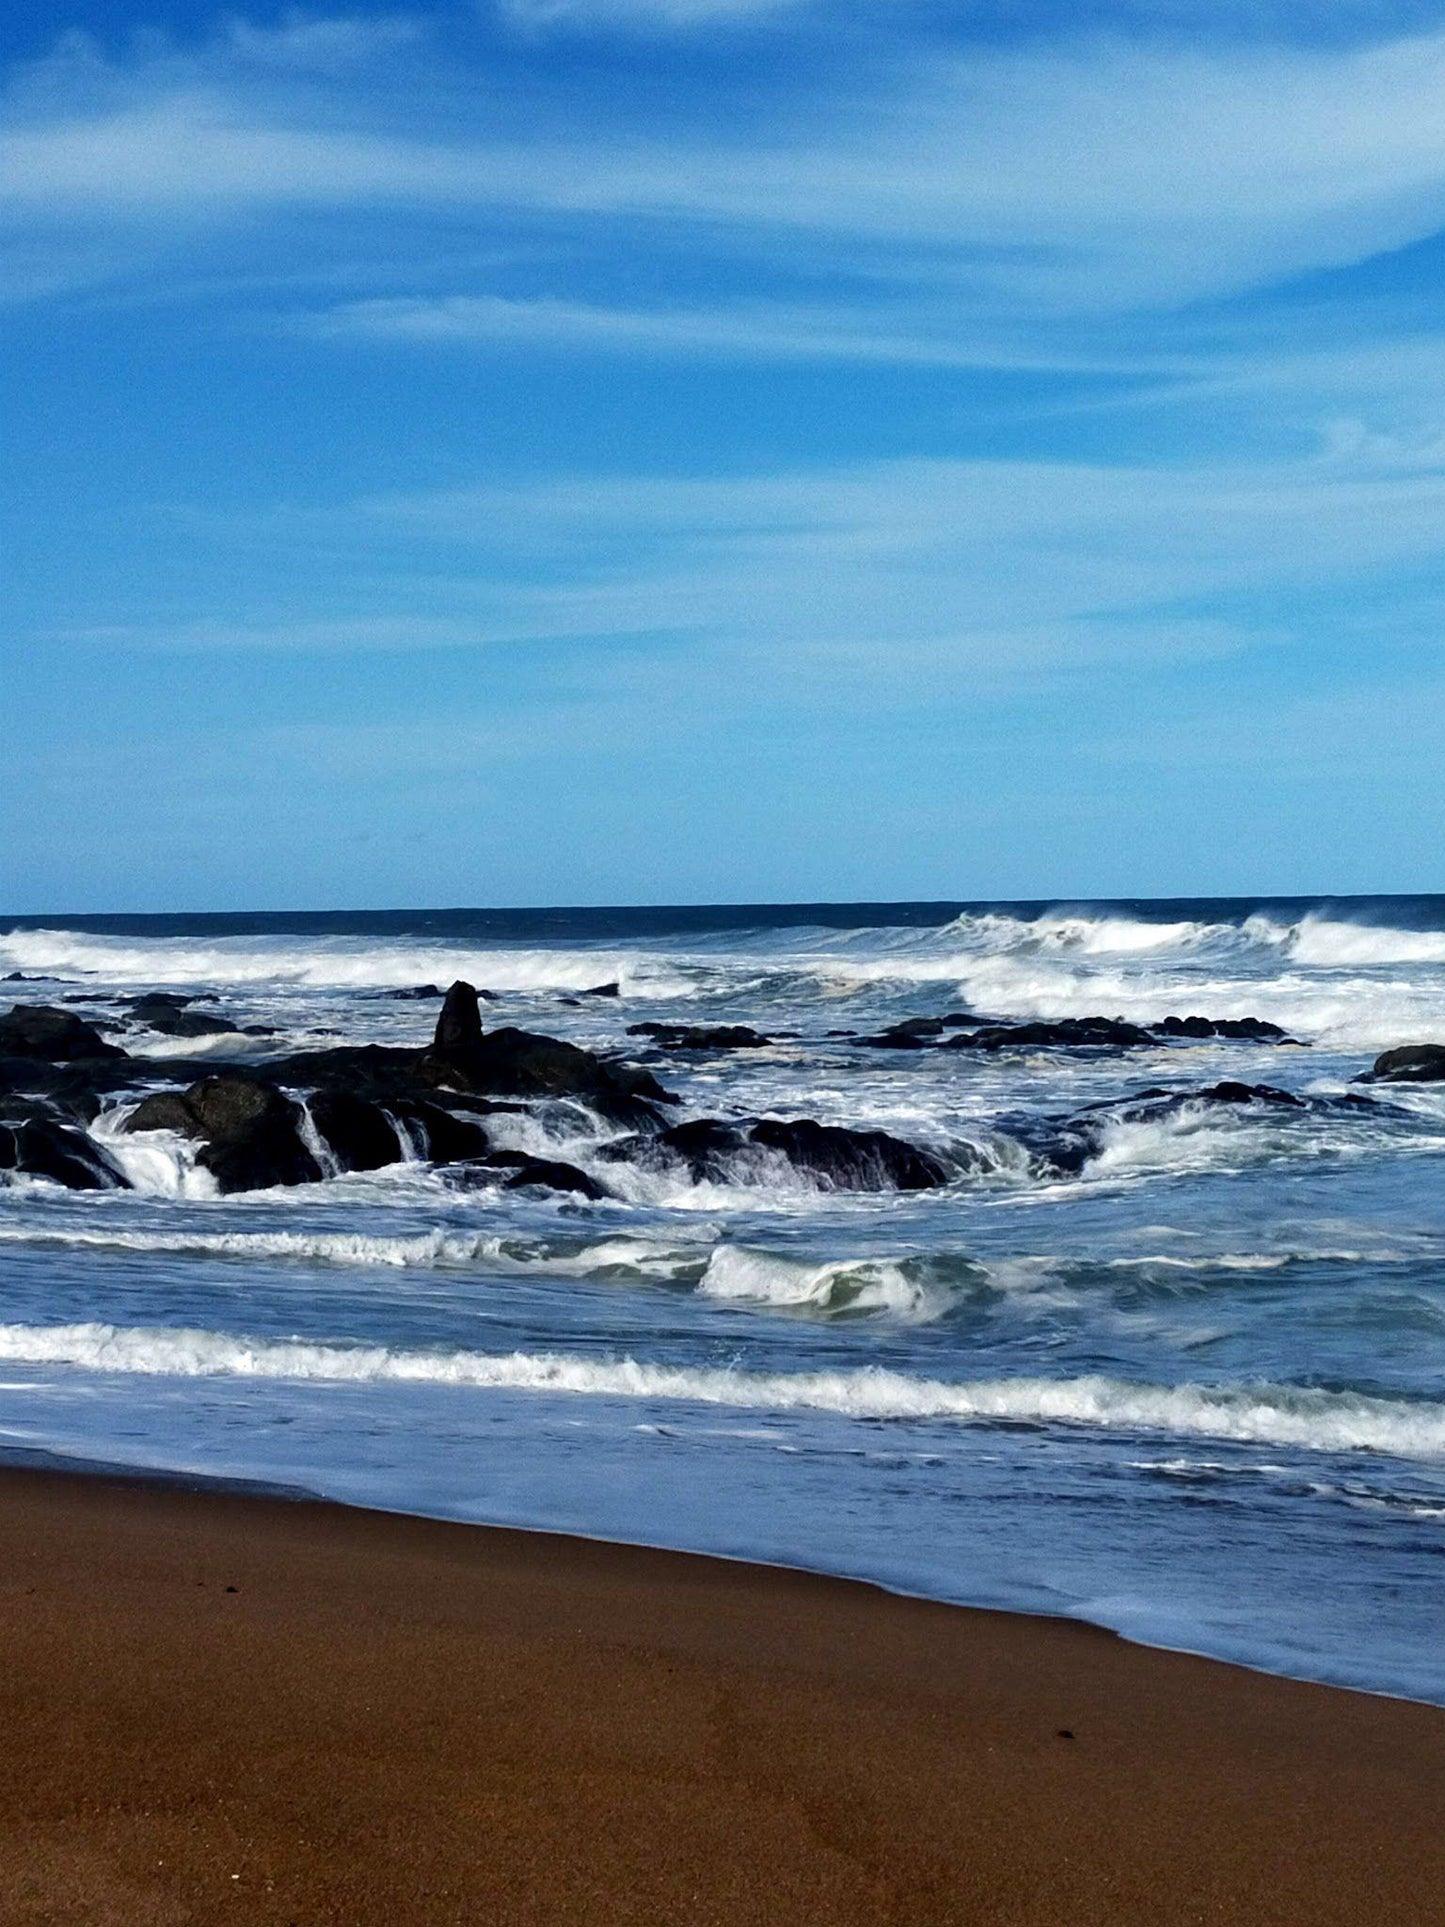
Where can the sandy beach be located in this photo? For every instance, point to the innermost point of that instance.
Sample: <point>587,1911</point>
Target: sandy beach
<point>219,1706</point>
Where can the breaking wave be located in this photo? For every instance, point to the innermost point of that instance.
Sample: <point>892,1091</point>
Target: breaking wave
<point>1301,1417</point>
<point>336,964</point>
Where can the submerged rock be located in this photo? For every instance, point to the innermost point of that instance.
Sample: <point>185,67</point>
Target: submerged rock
<point>58,1036</point>
<point>169,1021</point>
<point>702,1036</point>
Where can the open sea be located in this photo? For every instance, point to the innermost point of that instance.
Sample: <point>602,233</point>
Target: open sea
<point>1193,1389</point>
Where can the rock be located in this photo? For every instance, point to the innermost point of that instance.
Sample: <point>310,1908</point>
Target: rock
<point>1251,1029</point>
<point>553,1175</point>
<point>44,1148</point>
<point>369,1070</point>
<point>58,1036</point>
<point>164,1111</point>
<point>29,977</point>
<point>444,1137</point>
<point>701,1037</point>
<point>604,990</point>
<point>522,1171</point>
<point>459,1027</point>
<point>251,1129</point>
<point>414,993</point>
<point>1070,1033</point>
<point>359,1134</point>
<point>173,999</point>
<point>169,1022</point>
<point>837,1159</point>
<point>1410,1064</point>
<point>518,1063</point>
<point>912,1034</point>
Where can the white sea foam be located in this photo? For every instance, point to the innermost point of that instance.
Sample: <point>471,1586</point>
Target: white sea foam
<point>1283,1415</point>
<point>335,963</point>
<point>859,1285</point>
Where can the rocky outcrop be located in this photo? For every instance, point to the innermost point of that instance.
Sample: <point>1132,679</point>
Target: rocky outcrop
<point>1072,1033</point>
<point>45,1148</point>
<point>835,1159</point>
<point>56,1036</point>
<point>1245,1029</point>
<point>1411,1064</point>
<point>359,1134</point>
<point>169,1017</point>
<point>252,1131</point>
<point>1067,1033</point>
<point>520,1063</point>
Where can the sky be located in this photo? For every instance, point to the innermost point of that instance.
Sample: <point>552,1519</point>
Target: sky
<point>603,451</point>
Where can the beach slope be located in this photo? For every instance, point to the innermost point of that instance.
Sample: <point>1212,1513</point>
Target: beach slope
<point>223,1707</point>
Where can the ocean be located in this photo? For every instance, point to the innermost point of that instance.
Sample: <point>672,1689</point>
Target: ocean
<point>1158,1355</point>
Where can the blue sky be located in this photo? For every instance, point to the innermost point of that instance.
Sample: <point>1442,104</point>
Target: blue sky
<point>587,451</point>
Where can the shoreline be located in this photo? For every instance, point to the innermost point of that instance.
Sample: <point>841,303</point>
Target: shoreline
<point>173,1479</point>
<point>300,1711</point>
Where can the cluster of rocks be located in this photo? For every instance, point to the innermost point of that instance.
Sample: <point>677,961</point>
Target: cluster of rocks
<point>369,1106</point>
<point>1067,1033</point>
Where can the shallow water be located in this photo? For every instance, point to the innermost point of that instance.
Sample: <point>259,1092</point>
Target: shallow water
<point>1194,1391</point>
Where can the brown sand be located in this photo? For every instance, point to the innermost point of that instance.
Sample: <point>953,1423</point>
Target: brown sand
<point>221,1708</point>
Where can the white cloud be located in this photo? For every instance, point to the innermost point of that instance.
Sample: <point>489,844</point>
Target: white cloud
<point>769,330</point>
<point>1052,180</point>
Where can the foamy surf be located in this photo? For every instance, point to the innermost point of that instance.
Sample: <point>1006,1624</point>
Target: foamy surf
<point>1310,1420</point>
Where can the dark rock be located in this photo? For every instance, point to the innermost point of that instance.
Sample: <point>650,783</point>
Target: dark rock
<point>251,1129</point>
<point>459,1027</point>
<point>369,1070</point>
<point>1249,1029</point>
<point>837,1159</point>
<point>414,993</point>
<point>604,990</point>
<point>59,1036</point>
<point>164,1111</point>
<point>45,1148</point>
<point>914,1033</point>
<point>1410,1064</point>
<point>359,1134</point>
<point>1070,1033</point>
<point>553,1175</point>
<point>701,1037</point>
<point>521,1171</point>
<point>29,977</point>
<point>442,1136</point>
<point>519,1063</point>
<point>168,1022</point>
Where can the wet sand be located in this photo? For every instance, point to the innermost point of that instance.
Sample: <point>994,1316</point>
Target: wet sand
<point>221,1707</point>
